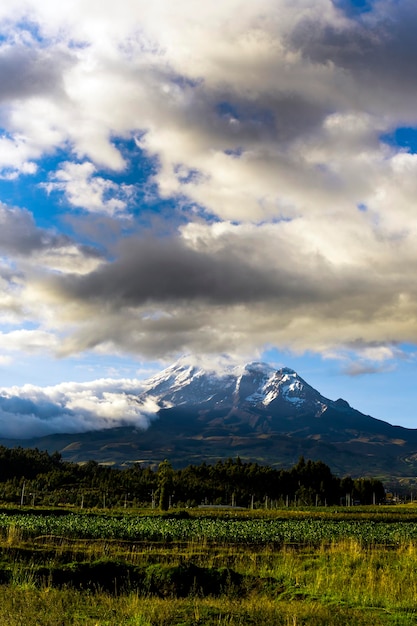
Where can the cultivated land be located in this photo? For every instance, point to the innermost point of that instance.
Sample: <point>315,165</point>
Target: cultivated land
<point>289,566</point>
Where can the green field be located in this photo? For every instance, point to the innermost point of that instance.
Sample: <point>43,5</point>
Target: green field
<point>286,567</point>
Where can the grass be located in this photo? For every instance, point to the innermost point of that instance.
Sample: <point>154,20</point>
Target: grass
<point>50,607</point>
<point>59,581</point>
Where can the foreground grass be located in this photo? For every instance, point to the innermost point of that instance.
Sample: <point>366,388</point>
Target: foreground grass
<point>53,608</point>
<point>58,581</point>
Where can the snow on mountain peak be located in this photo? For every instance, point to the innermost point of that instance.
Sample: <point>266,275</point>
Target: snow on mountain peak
<point>188,382</point>
<point>283,382</point>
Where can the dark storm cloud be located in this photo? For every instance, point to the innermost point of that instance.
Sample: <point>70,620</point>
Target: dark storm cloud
<point>19,235</point>
<point>271,117</point>
<point>380,46</point>
<point>219,290</point>
<point>164,270</point>
<point>234,271</point>
<point>29,72</point>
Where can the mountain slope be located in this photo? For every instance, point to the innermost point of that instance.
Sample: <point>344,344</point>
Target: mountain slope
<point>254,411</point>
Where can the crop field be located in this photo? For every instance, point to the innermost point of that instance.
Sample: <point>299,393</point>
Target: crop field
<point>227,530</point>
<point>193,567</point>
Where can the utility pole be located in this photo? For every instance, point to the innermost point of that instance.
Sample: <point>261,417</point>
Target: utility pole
<point>23,494</point>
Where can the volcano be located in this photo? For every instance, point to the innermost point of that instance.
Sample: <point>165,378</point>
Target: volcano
<point>253,411</point>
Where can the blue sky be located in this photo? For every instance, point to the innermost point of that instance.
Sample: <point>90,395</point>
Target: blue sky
<point>239,181</point>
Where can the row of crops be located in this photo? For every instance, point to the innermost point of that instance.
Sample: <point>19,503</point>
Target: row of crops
<point>164,529</point>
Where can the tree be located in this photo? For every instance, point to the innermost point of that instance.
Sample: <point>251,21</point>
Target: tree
<point>165,479</point>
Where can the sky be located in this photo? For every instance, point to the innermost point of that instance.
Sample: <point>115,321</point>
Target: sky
<point>235,178</point>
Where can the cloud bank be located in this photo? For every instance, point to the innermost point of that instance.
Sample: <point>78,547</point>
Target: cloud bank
<point>261,139</point>
<point>31,411</point>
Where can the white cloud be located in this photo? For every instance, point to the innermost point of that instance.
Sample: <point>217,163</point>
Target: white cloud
<point>73,407</point>
<point>15,157</point>
<point>359,359</point>
<point>26,340</point>
<point>69,259</point>
<point>86,190</point>
<point>266,114</point>
<point>297,114</point>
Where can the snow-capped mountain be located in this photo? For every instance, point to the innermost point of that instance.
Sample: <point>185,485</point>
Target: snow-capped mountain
<point>253,401</point>
<point>253,385</point>
<point>255,411</point>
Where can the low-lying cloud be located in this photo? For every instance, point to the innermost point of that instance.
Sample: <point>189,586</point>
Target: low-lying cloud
<point>30,411</point>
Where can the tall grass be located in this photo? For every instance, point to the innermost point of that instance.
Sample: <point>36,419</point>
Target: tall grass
<point>50,607</point>
<point>337,582</point>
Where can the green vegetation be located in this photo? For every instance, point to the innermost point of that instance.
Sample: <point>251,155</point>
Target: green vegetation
<point>273,529</point>
<point>246,567</point>
<point>34,477</point>
<point>285,560</point>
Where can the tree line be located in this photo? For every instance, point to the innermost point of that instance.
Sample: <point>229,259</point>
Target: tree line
<point>34,477</point>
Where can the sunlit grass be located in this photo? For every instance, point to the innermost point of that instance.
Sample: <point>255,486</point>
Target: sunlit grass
<point>54,608</point>
<point>336,581</point>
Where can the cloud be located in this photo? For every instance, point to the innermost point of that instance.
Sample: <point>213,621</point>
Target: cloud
<point>31,98</point>
<point>73,407</point>
<point>28,253</point>
<point>86,190</point>
<point>362,358</point>
<point>21,237</point>
<point>28,71</point>
<point>28,340</point>
<point>266,122</point>
<point>361,368</point>
<point>234,288</point>
<point>281,85</point>
<point>378,51</point>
